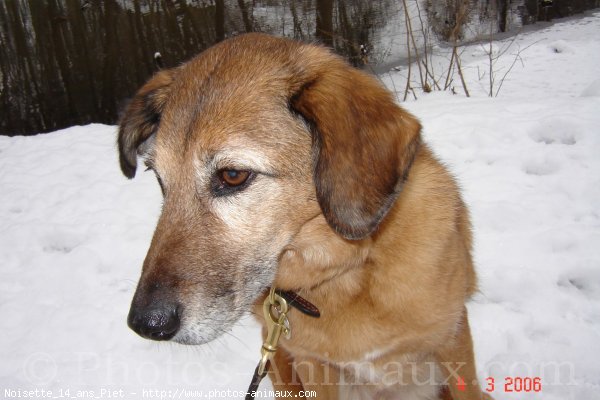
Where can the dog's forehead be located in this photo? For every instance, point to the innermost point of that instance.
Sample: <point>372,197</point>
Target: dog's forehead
<point>255,128</point>
<point>256,125</point>
<point>234,96</point>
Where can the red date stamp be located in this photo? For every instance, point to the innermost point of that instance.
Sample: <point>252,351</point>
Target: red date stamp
<point>515,384</point>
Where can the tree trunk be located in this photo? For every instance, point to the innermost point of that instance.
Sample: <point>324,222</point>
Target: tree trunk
<point>502,14</point>
<point>324,30</point>
<point>245,16</point>
<point>220,20</point>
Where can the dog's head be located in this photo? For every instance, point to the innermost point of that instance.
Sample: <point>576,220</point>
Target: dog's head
<point>249,141</point>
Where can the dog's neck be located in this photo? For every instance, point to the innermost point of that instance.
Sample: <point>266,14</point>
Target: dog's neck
<point>317,256</point>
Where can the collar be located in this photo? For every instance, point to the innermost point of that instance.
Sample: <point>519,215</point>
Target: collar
<point>299,303</point>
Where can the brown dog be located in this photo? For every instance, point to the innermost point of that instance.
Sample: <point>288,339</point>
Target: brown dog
<point>283,166</point>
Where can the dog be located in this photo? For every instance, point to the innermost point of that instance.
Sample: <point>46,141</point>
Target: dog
<point>283,166</point>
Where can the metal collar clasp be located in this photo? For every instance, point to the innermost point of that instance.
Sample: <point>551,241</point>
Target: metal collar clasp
<point>275,309</point>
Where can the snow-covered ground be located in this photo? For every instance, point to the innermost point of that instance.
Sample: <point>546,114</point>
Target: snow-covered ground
<point>73,234</point>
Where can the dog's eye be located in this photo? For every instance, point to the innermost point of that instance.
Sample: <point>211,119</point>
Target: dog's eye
<point>230,181</point>
<point>233,177</point>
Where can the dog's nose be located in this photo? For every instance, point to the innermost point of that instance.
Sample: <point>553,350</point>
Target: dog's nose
<point>157,323</point>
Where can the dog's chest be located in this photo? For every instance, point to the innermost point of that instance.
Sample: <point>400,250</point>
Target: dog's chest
<point>412,392</point>
<point>367,372</point>
<point>399,379</point>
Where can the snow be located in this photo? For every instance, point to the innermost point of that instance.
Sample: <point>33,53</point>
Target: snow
<point>592,90</point>
<point>73,234</point>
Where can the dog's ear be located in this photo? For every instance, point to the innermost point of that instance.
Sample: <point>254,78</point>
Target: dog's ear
<point>364,142</point>
<point>141,119</point>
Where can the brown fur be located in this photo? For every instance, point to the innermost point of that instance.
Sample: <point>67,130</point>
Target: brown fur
<point>348,208</point>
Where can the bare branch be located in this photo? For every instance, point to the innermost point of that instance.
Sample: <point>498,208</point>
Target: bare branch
<point>450,70</point>
<point>460,73</point>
